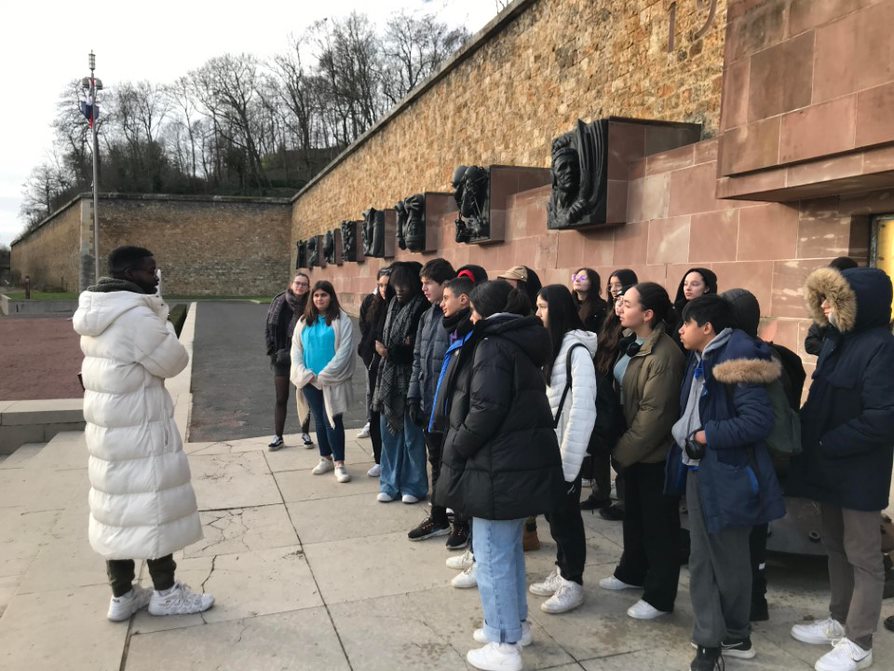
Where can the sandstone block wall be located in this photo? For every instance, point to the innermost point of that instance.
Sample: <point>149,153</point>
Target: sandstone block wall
<point>50,255</point>
<point>529,81</point>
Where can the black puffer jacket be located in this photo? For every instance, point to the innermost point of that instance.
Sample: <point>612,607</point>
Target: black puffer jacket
<point>501,457</point>
<point>847,424</point>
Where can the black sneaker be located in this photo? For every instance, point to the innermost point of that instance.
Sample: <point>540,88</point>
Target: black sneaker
<point>275,444</point>
<point>428,528</point>
<point>459,537</point>
<point>613,513</point>
<point>590,503</point>
<point>889,623</point>
<point>740,648</point>
<point>707,659</point>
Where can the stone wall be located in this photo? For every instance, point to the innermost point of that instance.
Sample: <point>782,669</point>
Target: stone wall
<point>525,80</point>
<point>204,245</point>
<point>50,255</point>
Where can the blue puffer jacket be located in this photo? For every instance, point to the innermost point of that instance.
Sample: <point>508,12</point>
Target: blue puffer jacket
<point>737,483</point>
<point>848,420</point>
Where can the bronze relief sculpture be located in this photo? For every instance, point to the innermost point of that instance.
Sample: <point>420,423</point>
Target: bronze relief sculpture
<point>579,177</point>
<point>472,194</point>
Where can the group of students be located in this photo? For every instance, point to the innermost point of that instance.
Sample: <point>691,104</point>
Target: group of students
<point>519,392</point>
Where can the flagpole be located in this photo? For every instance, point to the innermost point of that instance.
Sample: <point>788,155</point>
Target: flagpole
<point>92,60</point>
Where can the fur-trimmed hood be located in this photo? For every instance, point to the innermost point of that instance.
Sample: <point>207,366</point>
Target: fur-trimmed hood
<point>747,371</point>
<point>860,297</point>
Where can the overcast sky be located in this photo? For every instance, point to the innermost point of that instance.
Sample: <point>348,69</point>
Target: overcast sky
<point>44,44</point>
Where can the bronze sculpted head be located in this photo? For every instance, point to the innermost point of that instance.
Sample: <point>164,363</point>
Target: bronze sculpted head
<point>374,233</point>
<point>471,190</point>
<point>400,210</point>
<point>329,247</point>
<point>349,240</point>
<point>313,252</point>
<point>414,228</point>
<point>579,177</point>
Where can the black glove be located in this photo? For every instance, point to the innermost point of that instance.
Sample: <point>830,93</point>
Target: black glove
<point>414,410</point>
<point>695,450</point>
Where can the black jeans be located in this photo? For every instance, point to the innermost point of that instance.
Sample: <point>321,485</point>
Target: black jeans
<point>757,544</point>
<point>121,574</point>
<point>651,536</point>
<point>567,528</point>
<point>434,443</point>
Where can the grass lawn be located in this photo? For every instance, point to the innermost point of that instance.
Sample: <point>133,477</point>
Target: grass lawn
<point>19,295</point>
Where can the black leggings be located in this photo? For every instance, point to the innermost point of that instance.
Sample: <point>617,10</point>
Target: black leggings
<point>283,386</point>
<point>121,574</point>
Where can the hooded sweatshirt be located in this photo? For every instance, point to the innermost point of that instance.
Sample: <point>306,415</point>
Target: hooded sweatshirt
<point>142,505</point>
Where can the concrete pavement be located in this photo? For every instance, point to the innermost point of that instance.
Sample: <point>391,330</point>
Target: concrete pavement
<point>312,574</point>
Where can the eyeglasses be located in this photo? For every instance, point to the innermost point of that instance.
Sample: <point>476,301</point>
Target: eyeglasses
<point>578,278</point>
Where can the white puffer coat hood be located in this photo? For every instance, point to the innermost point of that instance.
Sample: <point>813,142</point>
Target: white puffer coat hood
<point>579,411</point>
<point>142,505</point>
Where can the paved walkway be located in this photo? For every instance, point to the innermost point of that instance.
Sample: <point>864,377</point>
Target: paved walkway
<point>232,381</point>
<point>312,574</point>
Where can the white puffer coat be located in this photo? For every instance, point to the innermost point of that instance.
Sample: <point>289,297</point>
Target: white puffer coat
<point>142,505</point>
<point>579,412</point>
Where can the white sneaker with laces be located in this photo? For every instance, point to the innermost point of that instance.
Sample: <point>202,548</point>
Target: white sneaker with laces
<point>122,607</point>
<point>324,466</point>
<point>341,474</point>
<point>643,610</point>
<point>819,632</point>
<point>615,585</point>
<point>179,600</point>
<point>467,579</point>
<point>364,432</point>
<point>568,596</point>
<point>526,639</point>
<point>496,657</point>
<point>845,656</point>
<point>375,471</point>
<point>548,586</point>
<point>384,498</point>
<point>409,498</point>
<point>461,562</point>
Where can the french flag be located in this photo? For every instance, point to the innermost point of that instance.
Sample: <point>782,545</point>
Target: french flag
<point>90,110</point>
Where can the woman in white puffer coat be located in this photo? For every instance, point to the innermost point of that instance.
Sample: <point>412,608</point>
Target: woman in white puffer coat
<point>142,505</point>
<point>573,403</point>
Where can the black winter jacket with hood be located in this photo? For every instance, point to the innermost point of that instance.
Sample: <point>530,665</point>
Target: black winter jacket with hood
<point>847,424</point>
<point>501,458</point>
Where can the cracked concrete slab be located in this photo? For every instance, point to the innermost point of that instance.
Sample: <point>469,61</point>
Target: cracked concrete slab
<point>61,629</point>
<point>295,641</point>
<point>243,530</point>
<point>238,480</point>
<point>304,486</point>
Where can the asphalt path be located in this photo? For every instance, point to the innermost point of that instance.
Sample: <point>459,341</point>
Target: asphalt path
<point>232,382</point>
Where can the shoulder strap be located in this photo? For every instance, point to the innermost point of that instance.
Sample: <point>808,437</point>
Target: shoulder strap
<point>567,383</point>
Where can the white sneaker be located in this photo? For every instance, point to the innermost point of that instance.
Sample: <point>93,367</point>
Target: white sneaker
<point>819,632</point>
<point>549,585</point>
<point>341,474</point>
<point>179,600</point>
<point>496,657</point>
<point>461,562</point>
<point>375,471</point>
<point>845,656</point>
<point>409,498</point>
<point>384,498</point>
<point>615,585</point>
<point>568,596</point>
<point>122,607</point>
<point>643,610</point>
<point>526,639</point>
<point>467,579</point>
<point>364,432</point>
<point>324,466</point>
<point>307,440</point>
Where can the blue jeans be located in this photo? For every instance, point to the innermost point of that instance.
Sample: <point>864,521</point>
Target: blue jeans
<point>331,439</point>
<point>501,577</point>
<point>403,461</point>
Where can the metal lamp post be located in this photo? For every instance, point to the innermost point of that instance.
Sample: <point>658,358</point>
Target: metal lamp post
<point>91,85</point>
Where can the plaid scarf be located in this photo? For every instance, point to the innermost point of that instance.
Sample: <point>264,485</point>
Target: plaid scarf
<point>393,381</point>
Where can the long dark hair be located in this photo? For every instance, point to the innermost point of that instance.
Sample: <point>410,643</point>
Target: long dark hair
<point>592,302</point>
<point>490,297</point>
<point>607,342</point>
<point>563,318</point>
<point>628,279</point>
<point>310,311</point>
<point>653,296</point>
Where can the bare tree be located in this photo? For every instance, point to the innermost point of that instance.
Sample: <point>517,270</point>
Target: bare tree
<point>414,48</point>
